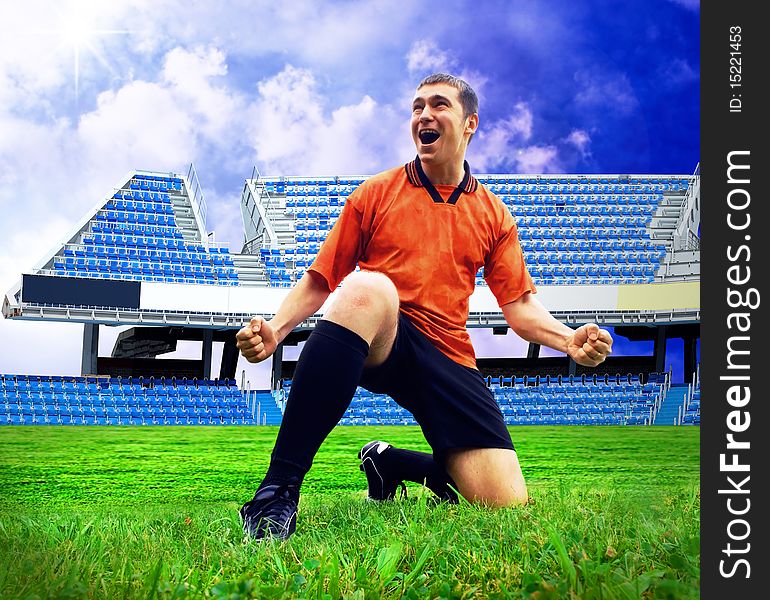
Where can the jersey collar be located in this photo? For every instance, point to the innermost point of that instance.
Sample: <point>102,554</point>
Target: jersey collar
<point>418,178</point>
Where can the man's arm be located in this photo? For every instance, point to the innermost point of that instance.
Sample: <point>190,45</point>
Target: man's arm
<point>259,339</point>
<point>302,301</point>
<point>337,257</point>
<point>588,345</point>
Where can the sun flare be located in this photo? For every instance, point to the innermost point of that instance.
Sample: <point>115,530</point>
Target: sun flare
<point>80,31</point>
<point>75,32</point>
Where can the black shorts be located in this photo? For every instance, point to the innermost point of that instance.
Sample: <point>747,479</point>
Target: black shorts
<point>451,402</point>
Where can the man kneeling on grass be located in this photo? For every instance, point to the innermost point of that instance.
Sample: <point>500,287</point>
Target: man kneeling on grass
<point>419,234</point>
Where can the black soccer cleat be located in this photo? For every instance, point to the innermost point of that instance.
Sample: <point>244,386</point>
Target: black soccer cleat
<point>272,513</point>
<point>381,487</point>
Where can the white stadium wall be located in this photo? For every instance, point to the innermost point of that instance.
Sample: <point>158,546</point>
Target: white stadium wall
<point>561,298</point>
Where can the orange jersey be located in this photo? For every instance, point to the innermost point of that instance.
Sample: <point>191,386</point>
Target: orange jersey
<point>430,241</point>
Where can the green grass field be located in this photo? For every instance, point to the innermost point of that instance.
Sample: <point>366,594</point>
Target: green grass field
<point>131,512</point>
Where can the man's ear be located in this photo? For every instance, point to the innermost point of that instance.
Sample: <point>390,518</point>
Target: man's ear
<point>473,124</point>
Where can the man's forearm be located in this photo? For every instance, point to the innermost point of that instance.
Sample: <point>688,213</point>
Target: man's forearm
<point>303,301</point>
<point>531,321</point>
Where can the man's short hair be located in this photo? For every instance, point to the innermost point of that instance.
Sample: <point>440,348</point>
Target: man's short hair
<point>468,98</point>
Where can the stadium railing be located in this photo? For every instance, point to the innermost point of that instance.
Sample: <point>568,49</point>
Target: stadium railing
<point>689,411</point>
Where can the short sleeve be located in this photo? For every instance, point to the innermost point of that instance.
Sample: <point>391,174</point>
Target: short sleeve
<point>504,269</point>
<point>343,247</point>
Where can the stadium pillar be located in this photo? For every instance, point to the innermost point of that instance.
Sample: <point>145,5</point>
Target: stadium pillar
<point>277,367</point>
<point>208,342</point>
<point>660,349</point>
<point>689,358</point>
<point>533,351</point>
<point>88,364</point>
<point>229,359</point>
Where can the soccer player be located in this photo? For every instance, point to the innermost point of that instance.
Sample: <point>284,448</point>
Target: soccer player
<point>419,234</point>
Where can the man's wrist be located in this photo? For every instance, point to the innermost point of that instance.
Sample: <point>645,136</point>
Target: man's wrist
<point>278,331</point>
<point>567,339</point>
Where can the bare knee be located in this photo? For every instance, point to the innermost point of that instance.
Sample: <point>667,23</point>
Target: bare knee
<point>367,290</point>
<point>488,476</point>
<point>499,496</point>
<point>367,303</point>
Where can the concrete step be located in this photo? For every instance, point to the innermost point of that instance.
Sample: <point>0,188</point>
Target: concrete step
<point>267,411</point>
<point>664,220</point>
<point>669,409</point>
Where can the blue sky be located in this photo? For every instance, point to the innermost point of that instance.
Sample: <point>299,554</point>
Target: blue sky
<point>91,90</point>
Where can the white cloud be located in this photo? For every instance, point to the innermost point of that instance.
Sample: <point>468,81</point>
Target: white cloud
<point>425,57</point>
<point>164,124</point>
<point>580,139</point>
<point>539,159</point>
<point>612,93</point>
<point>478,82</point>
<point>519,124</point>
<point>293,132</point>
<point>192,75</point>
<point>688,4</point>
<point>49,48</point>
<point>310,32</point>
<point>318,34</point>
<point>499,143</point>
<point>21,159</point>
<point>160,125</point>
<point>31,60</point>
<point>287,112</point>
<point>189,69</point>
<point>509,145</point>
<point>140,126</point>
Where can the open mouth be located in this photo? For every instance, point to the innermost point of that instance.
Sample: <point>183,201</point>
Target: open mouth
<point>428,136</point>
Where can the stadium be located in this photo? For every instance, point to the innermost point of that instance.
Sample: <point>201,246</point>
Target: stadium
<point>139,239</point>
<point>622,251</point>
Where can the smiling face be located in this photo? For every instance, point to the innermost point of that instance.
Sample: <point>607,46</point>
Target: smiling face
<point>440,129</point>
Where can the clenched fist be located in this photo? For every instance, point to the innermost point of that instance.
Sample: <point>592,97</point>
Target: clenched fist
<point>589,346</point>
<point>257,340</point>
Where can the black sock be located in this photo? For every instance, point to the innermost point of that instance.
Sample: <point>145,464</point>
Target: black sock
<point>419,467</point>
<point>323,385</point>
